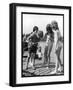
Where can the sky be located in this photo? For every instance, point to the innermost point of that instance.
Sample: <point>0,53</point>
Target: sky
<point>31,20</point>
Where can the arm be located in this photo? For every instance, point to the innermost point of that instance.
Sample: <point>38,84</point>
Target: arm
<point>48,37</point>
<point>55,39</point>
<point>30,36</point>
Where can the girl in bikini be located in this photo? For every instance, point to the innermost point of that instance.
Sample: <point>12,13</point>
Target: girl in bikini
<point>57,46</point>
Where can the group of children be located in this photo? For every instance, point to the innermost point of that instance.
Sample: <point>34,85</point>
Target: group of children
<point>53,39</point>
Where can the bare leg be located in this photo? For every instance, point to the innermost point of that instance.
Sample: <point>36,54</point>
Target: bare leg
<point>49,52</point>
<point>27,62</point>
<point>45,55</point>
<point>58,57</point>
<point>33,60</point>
<point>48,59</point>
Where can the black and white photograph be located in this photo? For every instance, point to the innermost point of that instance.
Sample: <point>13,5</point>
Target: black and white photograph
<point>42,44</point>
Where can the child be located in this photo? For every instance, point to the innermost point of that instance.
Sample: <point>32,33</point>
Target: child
<point>32,40</point>
<point>57,45</point>
<point>49,44</point>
